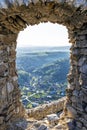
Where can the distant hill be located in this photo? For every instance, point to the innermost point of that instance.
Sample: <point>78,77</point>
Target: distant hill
<point>34,49</point>
<point>56,71</point>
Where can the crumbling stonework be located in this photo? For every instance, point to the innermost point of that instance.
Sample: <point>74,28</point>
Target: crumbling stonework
<point>43,110</point>
<point>15,15</point>
<point>9,91</point>
<point>76,102</point>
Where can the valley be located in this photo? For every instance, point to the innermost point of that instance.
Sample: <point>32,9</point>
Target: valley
<point>42,74</point>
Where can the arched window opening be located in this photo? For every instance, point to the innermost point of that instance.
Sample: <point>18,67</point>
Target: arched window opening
<point>42,63</point>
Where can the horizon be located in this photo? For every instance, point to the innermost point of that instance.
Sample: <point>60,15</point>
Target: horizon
<point>43,46</point>
<point>43,49</point>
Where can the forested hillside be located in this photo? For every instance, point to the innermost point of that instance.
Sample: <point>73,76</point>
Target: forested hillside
<point>42,75</point>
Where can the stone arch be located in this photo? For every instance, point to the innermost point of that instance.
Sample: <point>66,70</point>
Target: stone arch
<point>14,16</point>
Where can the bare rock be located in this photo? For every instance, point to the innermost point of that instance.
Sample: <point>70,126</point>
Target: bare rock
<point>43,127</point>
<point>53,119</point>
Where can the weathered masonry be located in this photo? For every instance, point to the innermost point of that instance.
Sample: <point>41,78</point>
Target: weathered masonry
<point>15,15</point>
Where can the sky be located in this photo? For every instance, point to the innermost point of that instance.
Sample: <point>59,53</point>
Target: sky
<point>44,34</point>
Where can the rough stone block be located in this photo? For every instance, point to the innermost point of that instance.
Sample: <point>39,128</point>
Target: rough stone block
<point>53,119</point>
<point>1,120</point>
<point>10,87</point>
<point>72,113</point>
<point>43,127</point>
<point>3,69</point>
<point>83,69</point>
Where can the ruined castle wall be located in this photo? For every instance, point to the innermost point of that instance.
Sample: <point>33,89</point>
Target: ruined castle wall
<point>15,16</point>
<point>77,78</point>
<point>9,91</point>
<point>43,110</point>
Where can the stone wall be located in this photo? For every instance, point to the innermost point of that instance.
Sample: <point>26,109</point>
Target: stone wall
<point>76,105</point>
<point>15,15</point>
<point>10,106</point>
<point>43,110</point>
